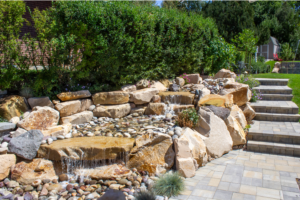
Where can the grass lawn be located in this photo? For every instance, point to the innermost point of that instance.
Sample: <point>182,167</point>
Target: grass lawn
<point>294,83</point>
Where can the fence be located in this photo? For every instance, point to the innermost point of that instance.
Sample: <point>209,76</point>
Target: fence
<point>290,68</point>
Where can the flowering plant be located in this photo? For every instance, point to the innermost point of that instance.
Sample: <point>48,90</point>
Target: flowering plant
<point>256,95</point>
<point>186,78</point>
<point>252,82</point>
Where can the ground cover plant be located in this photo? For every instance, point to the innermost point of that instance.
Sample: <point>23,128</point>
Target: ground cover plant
<point>188,118</point>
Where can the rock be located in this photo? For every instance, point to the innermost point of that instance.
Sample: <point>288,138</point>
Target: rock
<point>78,118</point>
<point>111,98</point>
<point>156,99</point>
<point>7,126</point>
<point>155,109</point>
<point>178,108</point>
<point>186,167</point>
<point>128,88</point>
<point>221,112</point>
<point>139,111</point>
<point>3,150</point>
<point>180,81</point>
<point>18,132</point>
<point>92,107</point>
<point>55,102</point>
<point>40,101</point>
<point>6,162</point>
<point>63,177</point>
<point>177,97</point>
<point>113,195</point>
<point>86,104</point>
<point>152,153</point>
<point>204,92</point>
<point>216,100</point>
<point>174,87</point>
<point>68,108</point>
<point>214,134</point>
<point>142,84</point>
<point>12,106</point>
<point>158,86</point>
<point>236,131</point>
<point>113,111</point>
<point>27,173</point>
<point>225,73</point>
<point>56,187</point>
<point>142,96</point>
<point>238,114</point>
<point>13,184</point>
<point>241,92</point>
<point>14,120</point>
<point>94,148</point>
<point>166,82</point>
<point>248,111</point>
<point>41,118</point>
<point>194,78</point>
<point>197,87</point>
<point>27,144</point>
<point>67,96</point>
<point>60,130</point>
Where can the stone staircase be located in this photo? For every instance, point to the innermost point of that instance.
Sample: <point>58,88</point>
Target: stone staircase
<point>276,127</point>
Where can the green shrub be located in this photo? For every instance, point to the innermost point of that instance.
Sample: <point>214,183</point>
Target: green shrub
<point>170,185</point>
<point>247,79</point>
<point>145,195</point>
<point>286,52</point>
<point>188,118</point>
<point>259,66</point>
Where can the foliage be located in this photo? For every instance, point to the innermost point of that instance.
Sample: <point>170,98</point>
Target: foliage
<point>259,66</point>
<point>188,118</point>
<point>170,184</point>
<point>286,52</point>
<point>145,195</point>
<point>256,95</point>
<point>26,92</point>
<point>185,78</point>
<point>3,119</point>
<point>247,79</point>
<point>271,63</point>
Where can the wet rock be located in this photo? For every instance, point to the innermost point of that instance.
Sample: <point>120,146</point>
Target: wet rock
<point>128,88</point>
<point>63,177</point>
<point>177,97</point>
<point>142,96</point>
<point>113,111</point>
<point>67,96</point>
<point>27,144</point>
<point>225,73</point>
<point>79,118</point>
<point>40,101</point>
<point>155,109</point>
<point>12,106</point>
<point>216,100</point>
<point>156,99</point>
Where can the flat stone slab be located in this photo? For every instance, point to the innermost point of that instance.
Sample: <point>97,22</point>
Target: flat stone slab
<point>6,126</point>
<point>271,81</point>
<point>274,89</point>
<point>286,107</point>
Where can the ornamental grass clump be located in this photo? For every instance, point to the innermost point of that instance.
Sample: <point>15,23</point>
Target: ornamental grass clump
<point>169,185</point>
<point>145,195</point>
<point>188,118</point>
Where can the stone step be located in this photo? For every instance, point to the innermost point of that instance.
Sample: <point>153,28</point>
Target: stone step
<point>277,97</point>
<point>271,81</point>
<point>266,89</point>
<point>284,107</point>
<point>275,136</point>
<point>274,148</point>
<point>279,117</point>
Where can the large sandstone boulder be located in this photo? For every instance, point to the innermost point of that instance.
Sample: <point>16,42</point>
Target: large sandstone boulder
<point>105,172</point>
<point>78,118</point>
<point>68,108</point>
<point>40,101</point>
<point>6,162</point>
<point>236,131</point>
<point>177,97</point>
<point>197,87</point>
<point>85,104</point>
<point>27,144</point>
<point>153,153</point>
<point>155,109</point>
<point>128,88</point>
<point>225,73</point>
<point>216,100</point>
<point>94,148</point>
<point>38,169</point>
<point>186,167</point>
<point>113,111</point>
<point>158,86</point>
<point>12,106</point>
<point>214,133</point>
<point>238,114</point>
<point>111,98</point>
<point>67,96</point>
<point>248,111</point>
<point>194,78</point>
<point>142,96</point>
<point>204,92</point>
<point>180,81</point>
<point>40,118</point>
<point>241,92</point>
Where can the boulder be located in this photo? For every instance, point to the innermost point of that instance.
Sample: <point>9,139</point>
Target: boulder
<point>221,112</point>
<point>94,148</point>
<point>177,97</point>
<point>142,96</point>
<point>225,73</point>
<point>113,111</point>
<point>216,100</point>
<point>186,167</point>
<point>40,118</point>
<point>6,162</point>
<point>14,120</point>
<point>241,92</point>
<point>166,82</point>
<point>12,106</point>
<point>156,99</point>
<point>214,133</point>
<point>18,132</point>
<point>180,81</point>
<point>38,169</point>
<point>236,131</point>
<point>142,84</point>
<point>155,109</point>
<point>194,78</point>
<point>85,104</point>
<point>27,144</point>
<point>178,108</point>
<point>67,96</point>
<point>138,110</point>
<point>7,126</point>
<point>238,114</point>
<point>111,98</point>
<point>248,111</point>
<point>203,93</point>
<point>68,108</point>
<point>197,87</point>
<point>60,130</point>
<point>78,118</point>
<point>153,153</point>
<point>128,88</point>
<point>158,86</point>
<point>40,101</point>
<point>174,87</point>
<point>105,172</point>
